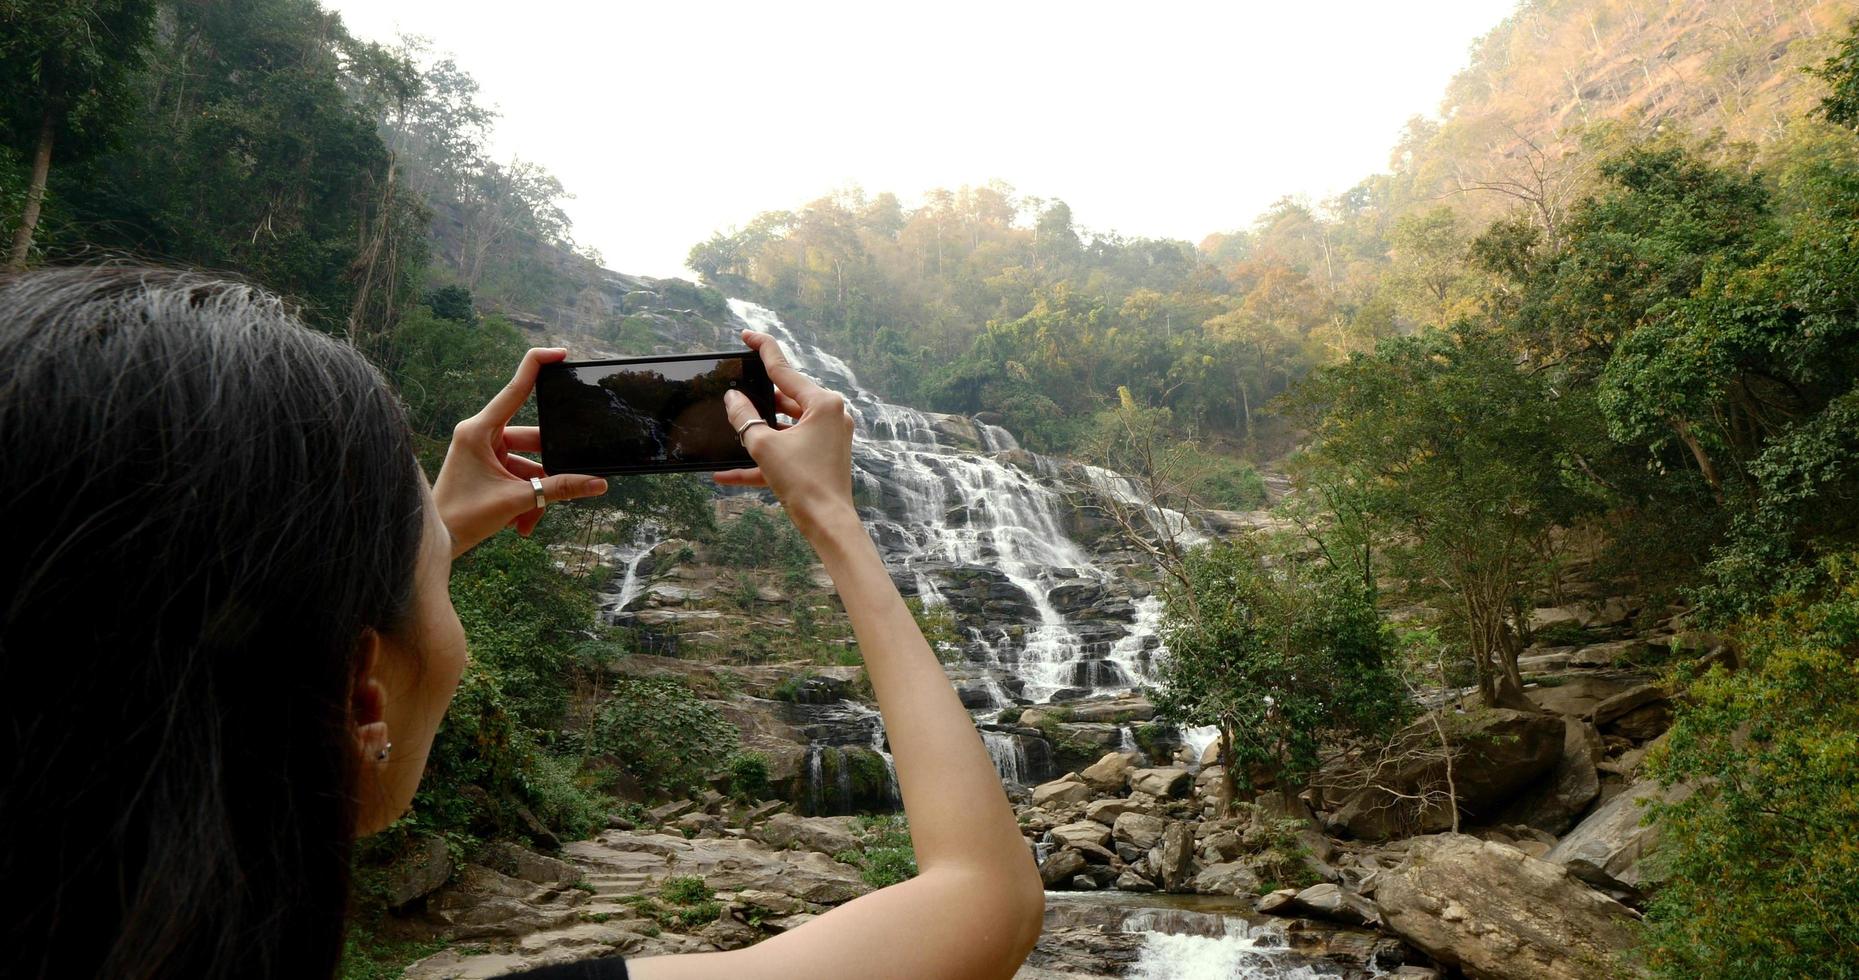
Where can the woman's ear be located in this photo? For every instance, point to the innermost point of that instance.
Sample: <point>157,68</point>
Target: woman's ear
<point>368,705</point>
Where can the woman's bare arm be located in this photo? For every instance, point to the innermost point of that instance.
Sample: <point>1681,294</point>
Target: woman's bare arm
<point>974,910</point>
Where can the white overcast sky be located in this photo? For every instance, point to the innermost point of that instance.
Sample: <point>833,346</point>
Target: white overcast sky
<point>671,120</point>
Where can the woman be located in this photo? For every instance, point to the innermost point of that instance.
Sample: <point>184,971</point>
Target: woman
<point>228,643</point>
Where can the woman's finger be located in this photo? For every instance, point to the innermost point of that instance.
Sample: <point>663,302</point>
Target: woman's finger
<point>751,477</point>
<point>522,438</point>
<point>572,486</point>
<point>742,412</point>
<point>523,466</point>
<point>503,405</point>
<point>785,405</point>
<point>783,374</point>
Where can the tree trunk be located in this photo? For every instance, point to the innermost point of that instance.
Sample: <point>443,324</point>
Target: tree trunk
<point>1227,760</point>
<point>35,192</point>
<point>1705,466</point>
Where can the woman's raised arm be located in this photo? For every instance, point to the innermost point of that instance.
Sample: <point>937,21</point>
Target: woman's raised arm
<point>974,909</point>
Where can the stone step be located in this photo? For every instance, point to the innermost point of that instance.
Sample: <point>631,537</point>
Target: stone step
<point>621,885</point>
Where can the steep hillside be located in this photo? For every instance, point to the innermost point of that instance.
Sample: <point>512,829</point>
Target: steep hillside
<point>1562,75</point>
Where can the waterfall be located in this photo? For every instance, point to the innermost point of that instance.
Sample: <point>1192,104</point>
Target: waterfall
<point>944,506</point>
<point>1008,754</point>
<point>630,556</point>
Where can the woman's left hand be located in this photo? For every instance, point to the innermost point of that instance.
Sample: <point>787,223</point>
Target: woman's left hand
<point>484,485</point>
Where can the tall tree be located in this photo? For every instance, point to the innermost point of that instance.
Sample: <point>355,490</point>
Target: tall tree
<point>65,82</point>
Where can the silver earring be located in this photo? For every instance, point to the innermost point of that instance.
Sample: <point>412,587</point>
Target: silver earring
<point>381,756</point>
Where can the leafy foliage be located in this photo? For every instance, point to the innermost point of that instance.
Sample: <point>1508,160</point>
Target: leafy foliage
<point>885,855</point>
<point>661,734</point>
<point>1281,658</point>
<point>1764,871</point>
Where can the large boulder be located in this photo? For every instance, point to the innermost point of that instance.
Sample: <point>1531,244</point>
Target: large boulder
<point>1119,710</point>
<point>1553,804</point>
<point>1162,783</point>
<point>1327,901</point>
<point>1110,773</point>
<point>1174,856</point>
<point>1139,830</point>
<point>1495,912</point>
<point>1106,812</point>
<point>1606,847</point>
<point>1065,789</point>
<point>1061,866</point>
<point>1495,754</point>
<point>1577,694</point>
<point>827,835</point>
<point>1226,878</point>
<point>1077,835</point>
<point>419,872</point>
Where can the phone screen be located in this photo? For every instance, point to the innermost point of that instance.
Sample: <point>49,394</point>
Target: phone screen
<point>647,415</point>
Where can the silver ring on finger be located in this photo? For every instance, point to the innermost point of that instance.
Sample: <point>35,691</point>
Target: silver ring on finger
<point>535,483</point>
<point>742,429</point>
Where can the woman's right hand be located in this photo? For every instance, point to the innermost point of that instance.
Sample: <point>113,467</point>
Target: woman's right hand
<point>807,464</point>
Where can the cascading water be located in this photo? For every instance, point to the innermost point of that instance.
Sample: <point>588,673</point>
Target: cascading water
<point>613,605</point>
<point>947,515</point>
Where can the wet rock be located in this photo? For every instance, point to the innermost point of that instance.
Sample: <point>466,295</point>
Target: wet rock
<point>1130,881</point>
<point>1492,911</point>
<point>1278,902</point>
<point>1061,866</point>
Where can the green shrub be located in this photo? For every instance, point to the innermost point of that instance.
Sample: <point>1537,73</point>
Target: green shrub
<point>885,855</point>
<point>657,730</point>
<point>685,890</point>
<point>1009,716</point>
<point>937,623</point>
<point>748,775</point>
<point>762,538</point>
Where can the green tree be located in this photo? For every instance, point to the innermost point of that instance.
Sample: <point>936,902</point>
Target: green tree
<point>1454,452</point>
<point>1282,658</point>
<point>65,82</point>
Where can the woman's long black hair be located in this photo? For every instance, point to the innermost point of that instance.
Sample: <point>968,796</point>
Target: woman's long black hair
<point>206,505</point>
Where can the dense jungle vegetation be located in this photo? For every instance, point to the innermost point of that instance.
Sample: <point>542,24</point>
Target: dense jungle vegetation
<point>1620,310</point>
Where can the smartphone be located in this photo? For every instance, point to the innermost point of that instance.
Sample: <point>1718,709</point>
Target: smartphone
<point>647,414</point>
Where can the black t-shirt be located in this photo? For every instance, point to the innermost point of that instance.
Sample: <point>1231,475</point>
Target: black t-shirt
<point>613,969</point>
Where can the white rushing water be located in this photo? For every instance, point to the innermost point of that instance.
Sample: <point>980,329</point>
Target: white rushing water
<point>1244,955</point>
<point>941,508</point>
